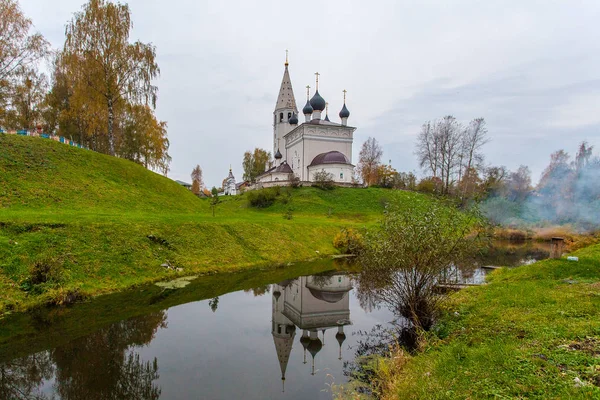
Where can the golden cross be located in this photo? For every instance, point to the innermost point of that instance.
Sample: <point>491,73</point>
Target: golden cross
<point>317,75</point>
<point>344,95</point>
<point>286,57</point>
<point>307,92</point>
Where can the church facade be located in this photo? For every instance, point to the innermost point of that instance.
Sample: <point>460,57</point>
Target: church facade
<point>303,149</point>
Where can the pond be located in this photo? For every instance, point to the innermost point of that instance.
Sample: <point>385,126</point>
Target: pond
<point>281,334</point>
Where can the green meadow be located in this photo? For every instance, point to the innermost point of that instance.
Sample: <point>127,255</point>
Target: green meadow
<point>96,224</point>
<point>532,332</point>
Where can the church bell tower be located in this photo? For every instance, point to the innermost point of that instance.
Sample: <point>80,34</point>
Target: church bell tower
<point>285,116</point>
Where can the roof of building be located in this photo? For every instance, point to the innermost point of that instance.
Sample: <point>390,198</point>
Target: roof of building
<point>283,168</point>
<point>294,119</point>
<point>331,157</point>
<point>307,110</point>
<point>286,97</point>
<point>317,102</point>
<point>182,183</point>
<point>344,113</point>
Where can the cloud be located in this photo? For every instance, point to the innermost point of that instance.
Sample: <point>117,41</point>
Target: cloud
<point>524,66</point>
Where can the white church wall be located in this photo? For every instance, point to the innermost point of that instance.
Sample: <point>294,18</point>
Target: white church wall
<point>342,173</point>
<point>314,147</point>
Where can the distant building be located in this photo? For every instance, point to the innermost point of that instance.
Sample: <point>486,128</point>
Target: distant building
<point>230,188</point>
<point>185,184</point>
<point>317,144</point>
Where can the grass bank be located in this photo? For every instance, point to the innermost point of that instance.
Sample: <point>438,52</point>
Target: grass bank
<point>74,223</point>
<point>532,332</point>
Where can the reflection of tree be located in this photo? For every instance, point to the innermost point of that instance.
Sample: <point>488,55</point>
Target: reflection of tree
<point>372,345</point>
<point>259,291</point>
<point>100,365</point>
<point>21,378</point>
<point>404,260</point>
<point>321,280</point>
<point>214,303</point>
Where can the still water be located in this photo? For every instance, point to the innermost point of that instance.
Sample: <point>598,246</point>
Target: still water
<point>282,339</point>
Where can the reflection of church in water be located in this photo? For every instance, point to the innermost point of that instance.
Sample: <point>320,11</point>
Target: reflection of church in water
<point>314,304</point>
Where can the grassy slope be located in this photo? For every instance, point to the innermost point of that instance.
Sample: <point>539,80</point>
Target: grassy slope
<point>92,214</point>
<point>529,333</point>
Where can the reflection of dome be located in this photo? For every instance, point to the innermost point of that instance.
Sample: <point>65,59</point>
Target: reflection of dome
<point>304,341</point>
<point>314,346</point>
<point>328,296</point>
<point>276,294</point>
<point>331,157</point>
<point>340,336</point>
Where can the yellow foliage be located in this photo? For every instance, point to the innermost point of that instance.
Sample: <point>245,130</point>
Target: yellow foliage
<point>348,241</point>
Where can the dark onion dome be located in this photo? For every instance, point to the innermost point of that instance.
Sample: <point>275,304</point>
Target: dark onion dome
<point>294,119</point>
<point>327,118</point>
<point>340,337</point>
<point>344,113</point>
<point>314,346</point>
<point>277,294</point>
<point>278,155</point>
<point>307,110</point>
<point>332,157</point>
<point>317,102</point>
<point>305,340</point>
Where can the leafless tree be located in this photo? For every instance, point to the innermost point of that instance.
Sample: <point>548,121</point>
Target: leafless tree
<point>450,136</point>
<point>446,149</point>
<point>519,184</point>
<point>427,149</point>
<point>473,139</point>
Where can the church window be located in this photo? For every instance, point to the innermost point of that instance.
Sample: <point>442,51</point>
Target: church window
<point>289,115</point>
<point>280,117</point>
<point>341,175</point>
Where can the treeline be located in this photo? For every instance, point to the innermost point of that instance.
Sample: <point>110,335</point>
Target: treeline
<point>451,156</point>
<point>100,92</point>
<point>567,193</point>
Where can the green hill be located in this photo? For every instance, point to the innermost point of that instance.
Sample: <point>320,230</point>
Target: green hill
<point>87,223</point>
<point>44,174</point>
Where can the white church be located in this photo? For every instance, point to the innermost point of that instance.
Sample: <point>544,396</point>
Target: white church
<point>317,144</point>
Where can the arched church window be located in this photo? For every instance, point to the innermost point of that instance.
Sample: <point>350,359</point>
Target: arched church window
<point>280,117</point>
<point>289,116</point>
<point>341,175</point>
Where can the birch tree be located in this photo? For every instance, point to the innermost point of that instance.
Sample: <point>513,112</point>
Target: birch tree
<point>105,64</point>
<point>369,160</point>
<point>18,46</point>
<point>197,182</point>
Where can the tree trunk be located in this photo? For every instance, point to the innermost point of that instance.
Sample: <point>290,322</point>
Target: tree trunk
<point>111,121</point>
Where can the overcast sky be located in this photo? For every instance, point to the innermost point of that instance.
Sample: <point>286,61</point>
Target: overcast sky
<point>530,68</point>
